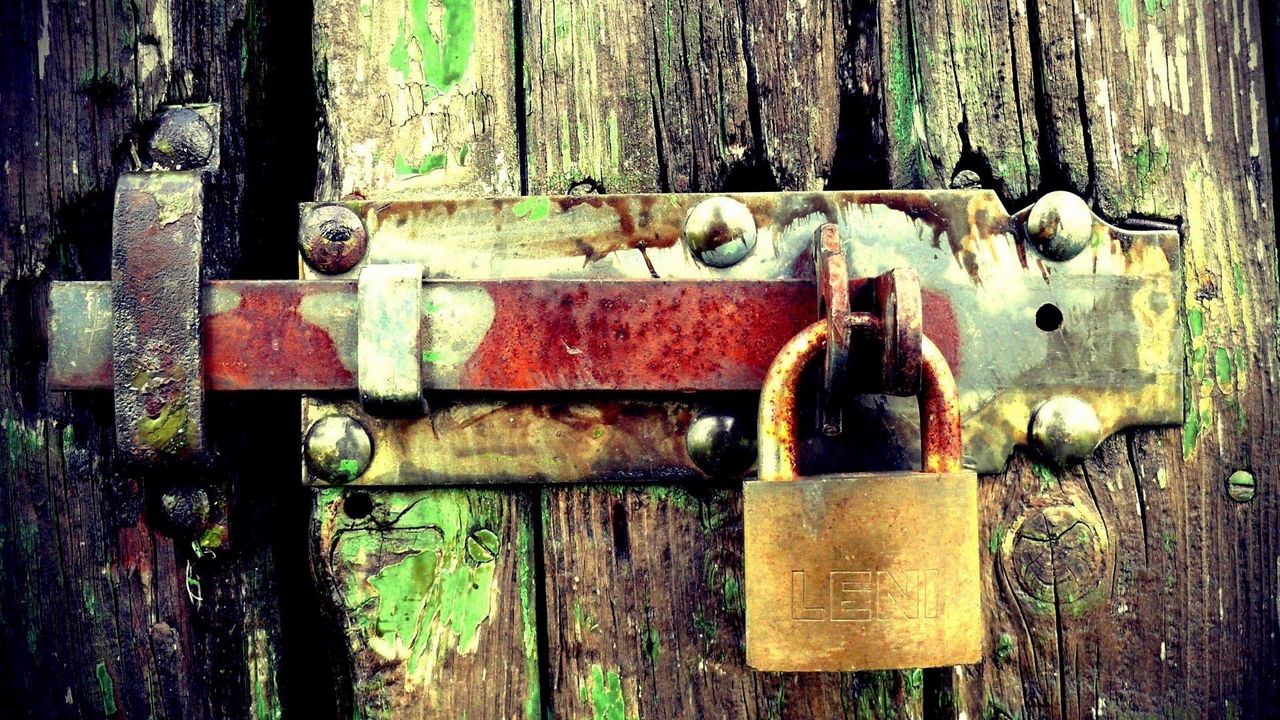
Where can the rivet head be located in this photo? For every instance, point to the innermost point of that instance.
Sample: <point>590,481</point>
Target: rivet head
<point>1060,225</point>
<point>182,140</point>
<point>721,445</point>
<point>185,509</point>
<point>1241,486</point>
<point>338,448</point>
<point>1065,430</point>
<point>333,239</point>
<point>720,232</point>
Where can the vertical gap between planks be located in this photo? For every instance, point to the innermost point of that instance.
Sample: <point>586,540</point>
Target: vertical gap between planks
<point>537,498</point>
<point>521,93</point>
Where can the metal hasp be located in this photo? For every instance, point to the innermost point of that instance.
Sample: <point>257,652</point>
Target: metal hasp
<point>157,243</point>
<point>983,282</point>
<point>157,229</point>
<point>646,304</point>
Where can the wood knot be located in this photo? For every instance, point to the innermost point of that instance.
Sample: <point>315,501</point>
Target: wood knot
<point>1057,554</point>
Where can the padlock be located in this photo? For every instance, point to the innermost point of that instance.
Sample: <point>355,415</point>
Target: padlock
<point>861,571</point>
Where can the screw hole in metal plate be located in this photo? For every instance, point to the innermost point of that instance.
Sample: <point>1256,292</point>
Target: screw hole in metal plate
<point>1048,317</point>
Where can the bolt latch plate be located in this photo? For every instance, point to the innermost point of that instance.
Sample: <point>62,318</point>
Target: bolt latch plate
<point>606,294</point>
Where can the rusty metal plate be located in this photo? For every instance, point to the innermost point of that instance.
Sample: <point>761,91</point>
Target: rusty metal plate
<point>543,335</point>
<point>862,572</point>
<point>1118,346</point>
<point>158,228</point>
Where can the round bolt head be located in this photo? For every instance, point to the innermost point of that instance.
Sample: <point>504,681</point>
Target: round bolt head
<point>1065,430</point>
<point>333,239</point>
<point>721,445</point>
<point>1060,225</point>
<point>720,232</point>
<point>182,140</point>
<point>185,510</point>
<point>1241,486</point>
<point>338,449</point>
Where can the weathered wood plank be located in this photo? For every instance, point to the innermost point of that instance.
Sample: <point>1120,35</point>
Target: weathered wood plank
<point>97,611</point>
<point>1133,584</point>
<point>434,589</point>
<point>643,587</point>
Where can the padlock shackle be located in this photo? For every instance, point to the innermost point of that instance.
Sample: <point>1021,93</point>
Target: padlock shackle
<point>940,442</point>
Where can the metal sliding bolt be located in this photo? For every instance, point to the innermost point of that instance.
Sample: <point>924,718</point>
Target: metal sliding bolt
<point>1065,430</point>
<point>720,232</point>
<point>332,240</point>
<point>1060,225</point>
<point>338,448</point>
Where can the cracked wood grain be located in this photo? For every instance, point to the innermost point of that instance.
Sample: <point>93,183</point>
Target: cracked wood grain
<point>1148,110</point>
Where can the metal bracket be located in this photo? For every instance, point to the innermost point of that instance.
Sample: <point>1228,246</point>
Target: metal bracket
<point>674,305</point>
<point>157,247</point>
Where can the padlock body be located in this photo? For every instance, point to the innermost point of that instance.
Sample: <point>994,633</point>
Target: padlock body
<point>865,571</point>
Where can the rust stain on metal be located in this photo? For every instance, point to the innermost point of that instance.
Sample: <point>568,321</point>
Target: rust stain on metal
<point>778,434</point>
<point>265,341</point>
<point>1118,346</point>
<point>157,231</point>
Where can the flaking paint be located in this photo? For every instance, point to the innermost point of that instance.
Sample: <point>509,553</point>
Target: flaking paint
<point>420,585</point>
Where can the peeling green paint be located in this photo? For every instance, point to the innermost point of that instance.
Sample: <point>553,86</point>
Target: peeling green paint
<point>440,61</point>
<point>529,620</point>
<point>603,693</point>
<point>1222,366</point>
<point>20,438</point>
<point>423,586</point>
<point>1155,6</point>
<point>262,676</point>
<point>534,208</point>
<point>107,688</point>
<point>902,100</point>
<point>733,597</point>
<point>1045,475</point>
<point>429,163</point>
<point>997,537</point>
<point>651,644</point>
<point>1004,647</point>
<point>1128,15</point>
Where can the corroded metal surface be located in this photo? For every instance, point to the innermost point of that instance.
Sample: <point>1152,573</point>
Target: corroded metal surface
<point>157,231</point>
<point>1118,347</point>
<point>778,432</point>
<point>833,290</point>
<point>898,305</point>
<point>835,576</point>
<point>497,440</point>
<point>508,336</point>
<point>389,339</point>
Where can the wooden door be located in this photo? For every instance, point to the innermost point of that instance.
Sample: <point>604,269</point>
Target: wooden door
<point>625,601</point>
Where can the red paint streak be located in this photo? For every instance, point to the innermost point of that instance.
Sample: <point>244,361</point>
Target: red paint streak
<point>636,335</point>
<point>941,327</point>
<point>265,344</point>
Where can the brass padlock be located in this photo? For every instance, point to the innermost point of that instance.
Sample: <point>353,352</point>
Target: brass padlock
<point>861,571</point>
